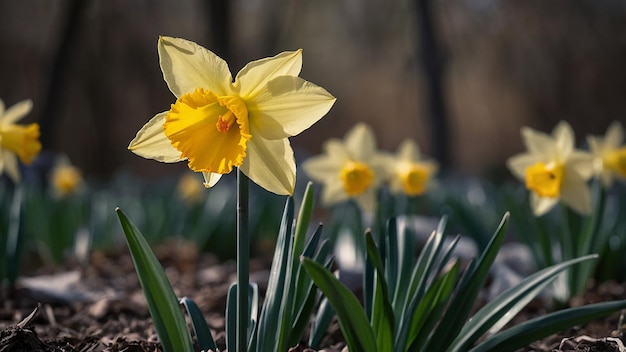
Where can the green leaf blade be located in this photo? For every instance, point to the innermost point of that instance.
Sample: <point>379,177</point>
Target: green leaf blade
<point>382,312</point>
<point>200,327</point>
<point>163,305</point>
<point>500,310</point>
<point>350,314</point>
<point>271,314</point>
<point>473,280</point>
<point>428,310</point>
<point>523,334</point>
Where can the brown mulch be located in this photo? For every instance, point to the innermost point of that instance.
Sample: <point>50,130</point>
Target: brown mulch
<point>104,309</point>
<point>107,310</point>
<point>595,336</point>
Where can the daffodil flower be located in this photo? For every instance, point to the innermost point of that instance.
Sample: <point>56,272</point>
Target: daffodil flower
<point>610,154</point>
<point>189,189</point>
<point>217,123</point>
<point>65,178</point>
<point>412,172</point>
<point>553,170</point>
<point>350,169</point>
<point>17,141</point>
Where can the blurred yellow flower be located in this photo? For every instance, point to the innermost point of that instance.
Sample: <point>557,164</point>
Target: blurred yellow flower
<point>189,189</point>
<point>553,170</point>
<point>66,179</point>
<point>610,154</point>
<point>350,169</point>
<point>412,172</point>
<point>17,140</point>
<point>217,123</point>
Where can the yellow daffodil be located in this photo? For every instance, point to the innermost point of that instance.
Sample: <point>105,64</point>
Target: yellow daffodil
<point>217,123</point>
<point>610,154</point>
<point>350,169</point>
<point>17,141</point>
<point>65,178</point>
<point>411,171</point>
<point>189,189</point>
<point>553,170</point>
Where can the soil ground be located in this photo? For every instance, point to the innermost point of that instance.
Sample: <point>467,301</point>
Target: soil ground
<point>99,306</point>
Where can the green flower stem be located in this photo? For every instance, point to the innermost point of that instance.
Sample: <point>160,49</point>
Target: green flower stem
<point>412,205</point>
<point>545,242</point>
<point>14,242</point>
<point>243,259</point>
<point>567,239</point>
<point>570,240</point>
<point>592,226</point>
<point>590,239</point>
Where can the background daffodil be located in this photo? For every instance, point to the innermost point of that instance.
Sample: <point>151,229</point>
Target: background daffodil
<point>65,178</point>
<point>217,123</point>
<point>350,169</point>
<point>17,141</point>
<point>412,172</point>
<point>189,189</point>
<point>610,154</point>
<point>553,170</point>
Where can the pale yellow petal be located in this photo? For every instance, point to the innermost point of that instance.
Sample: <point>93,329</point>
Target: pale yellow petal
<point>210,179</point>
<point>333,193</point>
<point>614,135</point>
<point>187,66</point>
<point>596,145</point>
<point>382,164</point>
<point>582,163</point>
<point>337,150</point>
<point>151,142</point>
<point>322,168</point>
<point>541,205</point>
<point>360,141</point>
<point>564,137</point>
<point>253,78</point>
<point>10,165</point>
<point>537,142</point>
<point>575,193</point>
<point>1,108</point>
<point>520,162</point>
<point>409,151</point>
<point>288,106</point>
<point>16,112</point>
<point>271,165</point>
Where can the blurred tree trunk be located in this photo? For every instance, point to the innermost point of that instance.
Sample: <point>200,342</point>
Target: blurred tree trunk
<point>58,76</point>
<point>433,67</point>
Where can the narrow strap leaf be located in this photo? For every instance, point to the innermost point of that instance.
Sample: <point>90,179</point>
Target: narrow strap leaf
<point>532,330</point>
<point>321,322</point>
<point>168,318</point>
<point>351,316</point>
<point>200,327</point>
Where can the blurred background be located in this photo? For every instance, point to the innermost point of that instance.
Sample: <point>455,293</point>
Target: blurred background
<point>460,77</point>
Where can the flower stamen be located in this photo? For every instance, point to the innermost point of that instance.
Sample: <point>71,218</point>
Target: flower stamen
<point>225,121</point>
<point>545,179</point>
